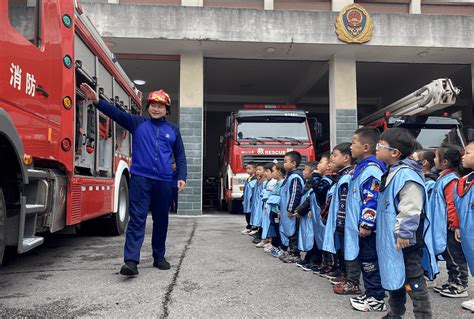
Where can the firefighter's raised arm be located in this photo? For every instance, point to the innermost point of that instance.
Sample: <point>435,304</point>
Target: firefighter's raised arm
<point>128,121</point>
<point>90,93</point>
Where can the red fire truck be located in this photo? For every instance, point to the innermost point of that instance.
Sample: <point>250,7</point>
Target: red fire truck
<point>259,134</point>
<point>414,112</point>
<point>62,161</point>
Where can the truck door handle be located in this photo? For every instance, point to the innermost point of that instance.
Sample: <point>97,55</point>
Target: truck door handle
<point>40,89</point>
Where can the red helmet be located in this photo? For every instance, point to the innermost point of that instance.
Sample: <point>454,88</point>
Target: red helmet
<point>159,96</point>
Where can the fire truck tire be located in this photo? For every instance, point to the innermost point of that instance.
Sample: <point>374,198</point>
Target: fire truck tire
<point>118,221</point>
<point>3,217</point>
<point>221,197</point>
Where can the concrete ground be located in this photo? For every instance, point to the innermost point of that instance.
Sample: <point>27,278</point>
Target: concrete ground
<point>216,272</point>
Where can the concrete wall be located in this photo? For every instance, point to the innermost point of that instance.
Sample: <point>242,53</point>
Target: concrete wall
<point>224,24</point>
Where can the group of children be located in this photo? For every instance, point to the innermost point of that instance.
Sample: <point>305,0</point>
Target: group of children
<point>372,208</point>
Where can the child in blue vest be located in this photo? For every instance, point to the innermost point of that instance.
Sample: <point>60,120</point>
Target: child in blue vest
<point>341,159</point>
<point>278,173</point>
<point>248,191</point>
<point>267,232</point>
<point>291,193</point>
<point>311,226</point>
<point>257,204</point>
<point>465,205</point>
<point>445,220</point>
<point>426,159</point>
<point>360,222</point>
<point>402,227</point>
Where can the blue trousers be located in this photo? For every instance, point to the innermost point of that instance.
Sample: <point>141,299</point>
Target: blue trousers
<point>145,194</point>
<point>370,267</point>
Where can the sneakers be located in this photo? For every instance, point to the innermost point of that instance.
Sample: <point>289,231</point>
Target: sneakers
<point>291,258</point>
<point>161,263</point>
<point>454,291</point>
<point>308,266</point>
<point>346,288</point>
<point>267,245</point>
<point>323,271</point>
<point>301,263</point>
<point>469,305</point>
<point>368,304</point>
<point>337,280</point>
<point>391,316</point>
<point>440,287</point>
<point>245,231</point>
<point>277,252</point>
<point>260,244</point>
<point>359,297</point>
<point>333,274</point>
<point>283,255</point>
<point>268,249</point>
<point>129,268</point>
<point>252,232</point>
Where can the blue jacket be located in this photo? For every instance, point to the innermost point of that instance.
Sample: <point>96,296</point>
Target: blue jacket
<point>154,143</point>
<point>464,198</point>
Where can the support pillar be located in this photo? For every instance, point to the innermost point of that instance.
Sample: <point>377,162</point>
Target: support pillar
<point>192,3</point>
<point>191,91</point>
<point>337,5</point>
<point>342,99</point>
<point>415,6</point>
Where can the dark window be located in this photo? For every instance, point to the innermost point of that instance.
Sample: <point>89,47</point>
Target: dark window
<point>24,16</point>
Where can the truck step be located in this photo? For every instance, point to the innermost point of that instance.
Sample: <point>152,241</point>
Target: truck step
<point>36,174</point>
<point>29,243</point>
<point>34,208</point>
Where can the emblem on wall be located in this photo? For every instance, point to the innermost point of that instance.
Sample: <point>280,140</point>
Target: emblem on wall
<point>354,25</point>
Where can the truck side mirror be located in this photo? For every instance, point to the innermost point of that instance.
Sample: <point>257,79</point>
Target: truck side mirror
<point>318,129</point>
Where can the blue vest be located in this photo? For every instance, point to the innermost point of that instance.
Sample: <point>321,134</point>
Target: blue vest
<point>391,262</point>
<point>330,242</point>
<point>248,191</point>
<point>305,231</point>
<point>266,211</point>
<point>438,212</point>
<point>429,184</point>
<point>257,206</point>
<point>354,203</point>
<point>287,224</point>
<point>465,207</point>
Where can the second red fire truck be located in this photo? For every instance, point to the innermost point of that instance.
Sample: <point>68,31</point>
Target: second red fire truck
<point>259,134</point>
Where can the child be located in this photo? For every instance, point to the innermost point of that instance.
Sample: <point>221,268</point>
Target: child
<point>278,173</point>
<point>465,207</point>
<point>426,159</point>
<point>248,192</point>
<point>359,225</point>
<point>307,213</point>
<point>268,185</point>
<point>400,225</point>
<point>341,159</point>
<point>257,204</point>
<point>291,192</point>
<point>445,220</point>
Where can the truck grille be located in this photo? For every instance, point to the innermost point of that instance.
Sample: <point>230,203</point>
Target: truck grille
<point>270,159</point>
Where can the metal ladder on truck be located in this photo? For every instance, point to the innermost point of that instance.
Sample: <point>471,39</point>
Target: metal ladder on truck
<point>432,97</point>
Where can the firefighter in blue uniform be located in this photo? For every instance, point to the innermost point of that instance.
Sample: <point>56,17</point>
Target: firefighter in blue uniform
<point>155,141</point>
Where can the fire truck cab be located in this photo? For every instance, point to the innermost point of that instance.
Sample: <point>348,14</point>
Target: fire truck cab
<point>62,162</point>
<point>259,134</point>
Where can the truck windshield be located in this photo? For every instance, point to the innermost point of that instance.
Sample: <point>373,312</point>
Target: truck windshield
<point>293,130</point>
<point>434,137</point>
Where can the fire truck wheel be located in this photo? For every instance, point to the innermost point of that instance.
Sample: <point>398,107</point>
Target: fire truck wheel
<point>118,221</point>
<point>3,214</point>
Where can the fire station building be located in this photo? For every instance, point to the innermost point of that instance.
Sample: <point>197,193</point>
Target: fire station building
<point>213,56</point>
